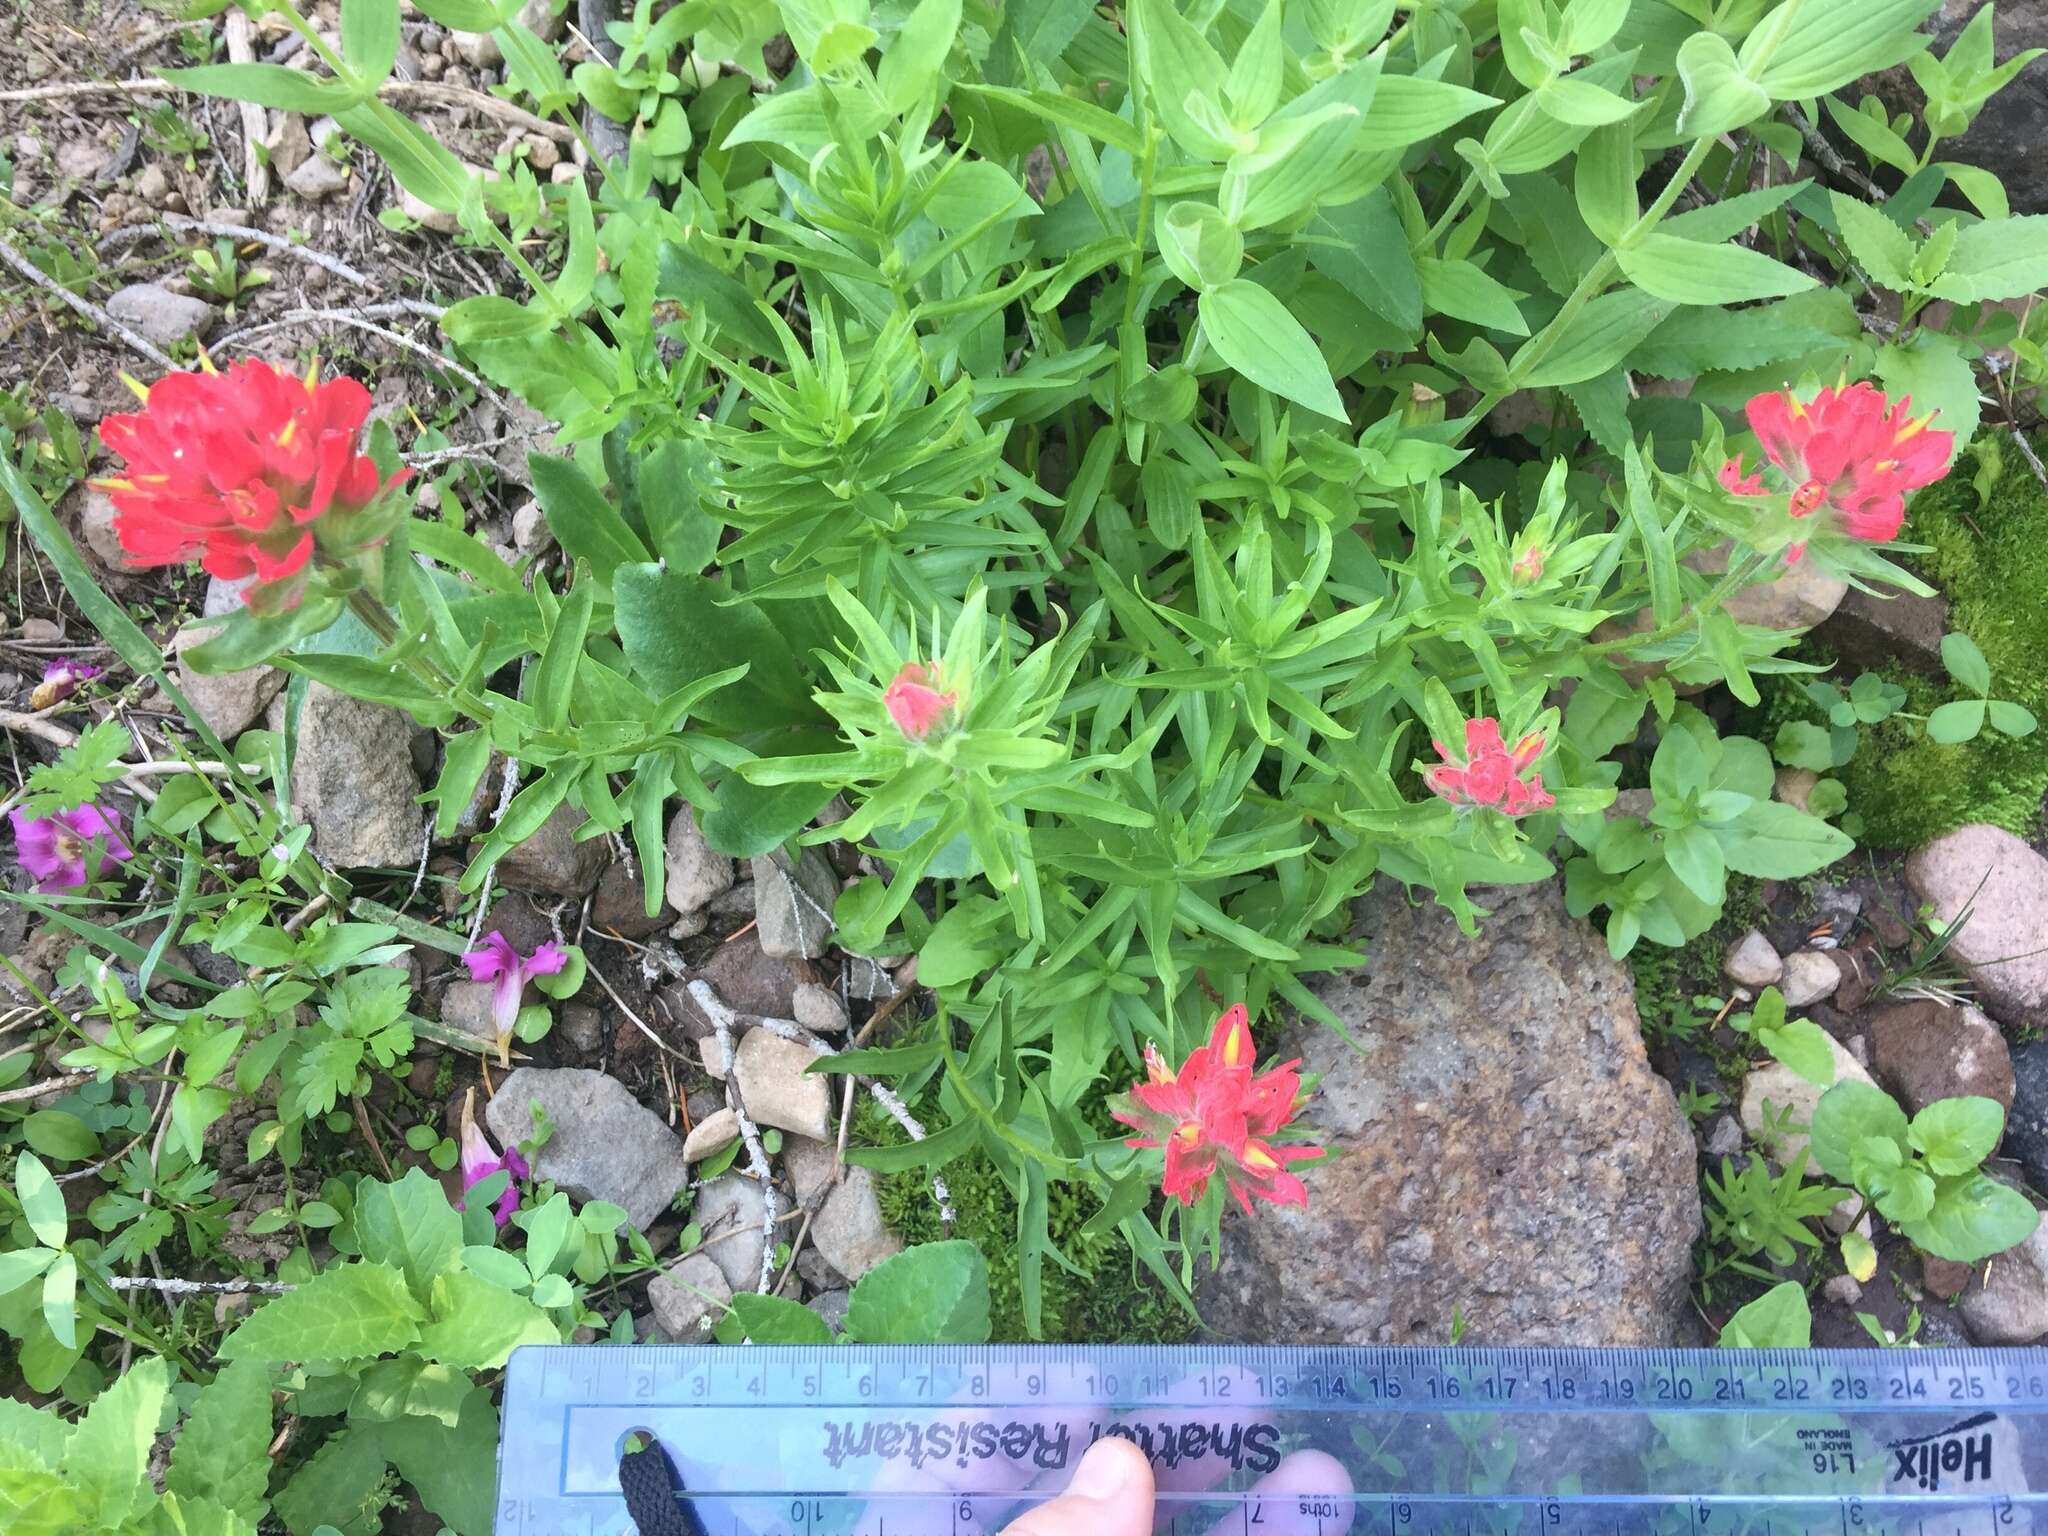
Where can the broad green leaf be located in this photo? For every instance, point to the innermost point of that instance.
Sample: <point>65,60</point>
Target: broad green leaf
<point>1973,1217</point>
<point>341,1486</point>
<point>1606,331</point>
<point>268,85</point>
<point>1997,259</point>
<point>1778,1319</point>
<point>911,66</point>
<point>60,1300</point>
<point>1956,1135</point>
<point>221,1452</point>
<point>1832,42</point>
<point>1849,1113</point>
<point>41,1203</point>
<point>588,526</point>
<point>454,1469</point>
<point>1252,331</point>
<point>1407,109</point>
<point>34,1500</point>
<point>1179,67</point>
<point>733,312</point>
<point>1460,289</point>
<point>62,1136</point>
<point>392,1389</point>
<point>1719,97</point>
<point>369,38</point>
<point>1033,32</point>
<point>934,1293</point>
<point>1692,272</point>
<point>351,1312</point>
<point>675,629</point>
<point>409,1225</point>
<point>1773,841</point>
<point>1878,245</point>
<point>476,1325</point>
<point>771,1320</point>
<point>1965,662</point>
<point>108,1457</point>
<point>1802,744</point>
<point>1803,1046</point>
<point>1958,720</point>
<point>1361,247</point>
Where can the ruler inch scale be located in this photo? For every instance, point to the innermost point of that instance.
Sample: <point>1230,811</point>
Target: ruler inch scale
<point>856,1440</point>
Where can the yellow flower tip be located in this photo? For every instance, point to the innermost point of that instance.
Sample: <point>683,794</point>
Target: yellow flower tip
<point>136,387</point>
<point>1188,1133</point>
<point>313,373</point>
<point>206,363</point>
<point>1236,1045</point>
<point>123,483</point>
<point>290,429</point>
<point>1259,1160</point>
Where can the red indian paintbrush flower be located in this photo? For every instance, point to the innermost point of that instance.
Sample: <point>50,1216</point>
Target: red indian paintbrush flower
<point>1850,452</point>
<point>253,471</point>
<point>1489,776</point>
<point>1214,1117</point>
<point>917,703</point>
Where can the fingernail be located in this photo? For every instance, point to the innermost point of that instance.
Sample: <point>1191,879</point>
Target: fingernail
<point>1103,1472</point>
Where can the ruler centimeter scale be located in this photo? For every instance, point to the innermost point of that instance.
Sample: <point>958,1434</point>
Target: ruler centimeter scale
<point>958,1441</point>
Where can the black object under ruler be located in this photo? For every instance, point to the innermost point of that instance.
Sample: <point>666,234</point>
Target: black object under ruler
<point>882,1441</point>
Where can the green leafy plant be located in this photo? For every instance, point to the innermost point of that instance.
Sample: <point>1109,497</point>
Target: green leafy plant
<point>931,1293</point>
<point>1923,1175</point>
<point>217,270</point>
<point>1778,1319</point>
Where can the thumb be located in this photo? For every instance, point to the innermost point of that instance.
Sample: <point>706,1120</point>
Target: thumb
<point>1111,1495</point>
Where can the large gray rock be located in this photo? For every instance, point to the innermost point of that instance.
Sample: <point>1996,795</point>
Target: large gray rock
<point>552,861</point>
<point>1503,1151</point>
<point>2010,136</point>
<point>1925,1050</point>
<point>229,702</point>
<point>162,316</point>
<point>793,904</point>
<point>1810,975</point>
<point>2002,945</point>
<point>2011,1307</point>
<point>688,1298</point>
<point>606,1145</point>
<point>849,1230</point>
<point>353,779</point>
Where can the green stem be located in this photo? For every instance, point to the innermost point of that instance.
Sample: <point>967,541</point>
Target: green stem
<point>1451,212</point>
<point>1737,577</point>
<point>384,628</point>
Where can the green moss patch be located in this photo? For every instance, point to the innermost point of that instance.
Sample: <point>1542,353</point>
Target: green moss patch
<point>1992,563</point>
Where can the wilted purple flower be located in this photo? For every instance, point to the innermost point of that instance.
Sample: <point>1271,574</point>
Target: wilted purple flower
<point>479,1162</point>
<point>55,849</point>
<point>61,679</point>
<point>499,962</point>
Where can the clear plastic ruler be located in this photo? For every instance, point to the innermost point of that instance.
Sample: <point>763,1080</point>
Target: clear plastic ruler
<point>857,1441</point>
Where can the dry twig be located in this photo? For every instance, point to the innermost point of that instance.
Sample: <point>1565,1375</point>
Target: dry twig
<point>87,308</point>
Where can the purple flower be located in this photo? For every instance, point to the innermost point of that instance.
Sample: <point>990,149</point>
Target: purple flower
<point>499,962</point>
<point>479,1162</point>
<point>61,679</point>
<point>55,849</point>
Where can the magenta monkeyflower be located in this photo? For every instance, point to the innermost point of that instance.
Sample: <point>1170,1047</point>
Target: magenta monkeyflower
<point>499,962</point>
<point>56,849</point>
<point>61,679</point>
<point>916,702</point>
<point>479,1162</point>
